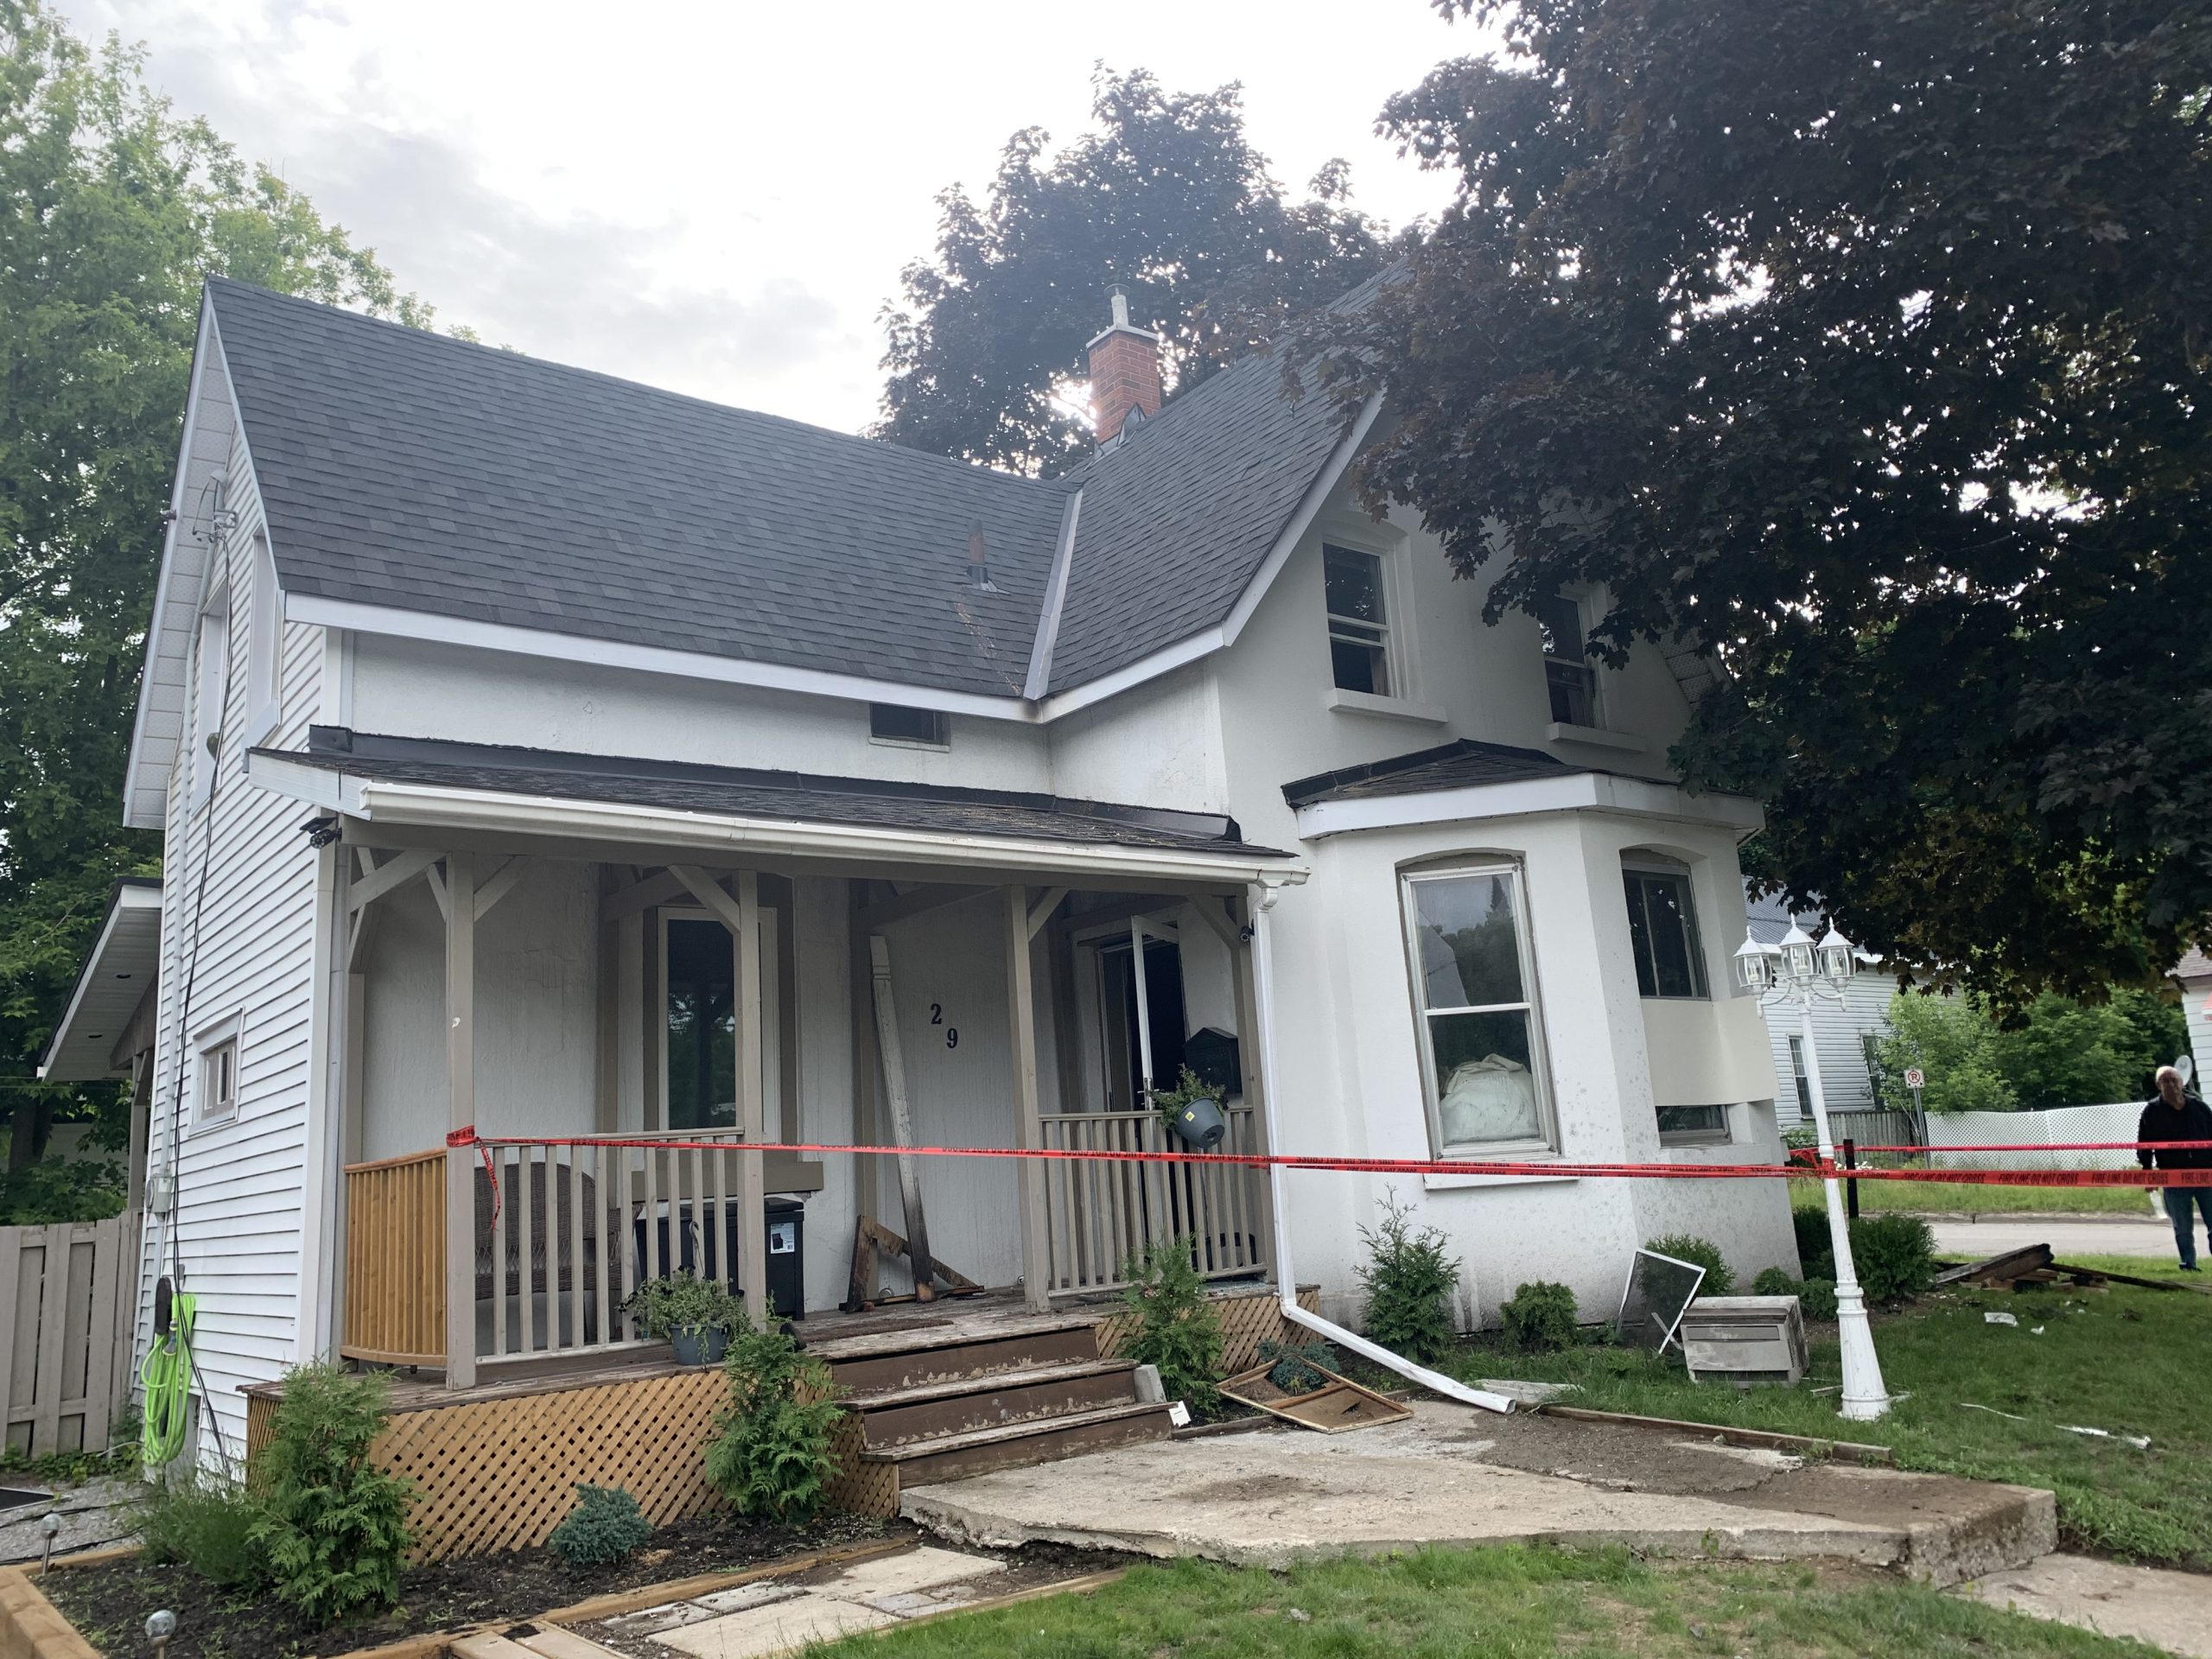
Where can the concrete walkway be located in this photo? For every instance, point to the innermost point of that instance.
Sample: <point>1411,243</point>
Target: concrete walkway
<point>1456,1475</point>
<point>2170,1611</point>
<point>2069,1239</point>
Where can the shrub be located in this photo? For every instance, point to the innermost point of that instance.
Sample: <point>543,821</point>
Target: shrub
<point>770,1457</point>
<point>605,1526</point>
<point>1894,1255</point>
<point>1815,1297</point>
<point>1297,1366</point>
<point>1177,1328</point>
<point>1774,1281</point>
<point>1540,1318</point>
<point>334,1525</point>
<point>1408,1279</point>
<point>661,1305</point>
<point>1815,1249</point>
<point>206,1525</point>
<point>1719,1279</point>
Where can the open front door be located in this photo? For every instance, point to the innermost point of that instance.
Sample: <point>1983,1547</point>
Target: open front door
<point>1142,1020</point>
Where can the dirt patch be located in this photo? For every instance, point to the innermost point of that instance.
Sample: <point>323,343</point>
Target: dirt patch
<point>1617,1455</point>
<point>1844,1493</point>
<point>109,1604</point>
<point>1250,1487</point>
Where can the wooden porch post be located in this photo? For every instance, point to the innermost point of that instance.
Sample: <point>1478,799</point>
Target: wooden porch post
<point>1253,1084</point>
<point>752,1164</point>
<point>1021,1026</point>
<point>460,1161</point>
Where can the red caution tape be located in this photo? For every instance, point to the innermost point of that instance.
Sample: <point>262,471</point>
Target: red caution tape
<point>465,1136</point>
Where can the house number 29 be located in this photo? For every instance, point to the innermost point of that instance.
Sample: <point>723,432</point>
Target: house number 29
<point>951,1032</point>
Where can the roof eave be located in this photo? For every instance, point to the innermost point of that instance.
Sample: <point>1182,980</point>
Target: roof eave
<point>1580,791</point>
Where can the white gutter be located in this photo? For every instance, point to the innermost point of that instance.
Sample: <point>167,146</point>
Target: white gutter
<point>1285,1277</point>
<point>493,812</point>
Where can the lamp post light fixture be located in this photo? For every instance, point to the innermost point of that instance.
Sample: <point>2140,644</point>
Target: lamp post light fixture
<point>1796,972</point>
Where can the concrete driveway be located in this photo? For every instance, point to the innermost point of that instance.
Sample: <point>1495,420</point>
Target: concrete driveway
<point>2072,1236</point>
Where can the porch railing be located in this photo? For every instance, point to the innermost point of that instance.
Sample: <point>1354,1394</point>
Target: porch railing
<point>563,1234</point>
<point>1104,1213</point>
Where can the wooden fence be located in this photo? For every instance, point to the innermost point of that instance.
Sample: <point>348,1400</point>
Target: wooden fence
<point>67,1300</point>
<point>1104,1213</point>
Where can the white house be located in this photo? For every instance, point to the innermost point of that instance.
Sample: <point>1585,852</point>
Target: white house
<point>1845,1026</point>
<point>488,701</point>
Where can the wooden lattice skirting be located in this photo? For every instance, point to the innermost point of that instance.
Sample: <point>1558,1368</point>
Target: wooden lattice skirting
<point>500,1474</point>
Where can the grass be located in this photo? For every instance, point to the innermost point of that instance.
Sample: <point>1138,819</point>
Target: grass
<point>1502,1602</point>
<point>2128,1361</point>
<point>1943,1198</point>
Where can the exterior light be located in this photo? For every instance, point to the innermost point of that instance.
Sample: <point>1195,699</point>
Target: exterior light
<point>1836,957</point>
<point>1797,955</point>
<point>1754,964</point>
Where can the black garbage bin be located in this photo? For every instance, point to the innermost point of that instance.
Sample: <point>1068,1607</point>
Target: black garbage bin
<point>785,1242</point>
<point>787,1257</point>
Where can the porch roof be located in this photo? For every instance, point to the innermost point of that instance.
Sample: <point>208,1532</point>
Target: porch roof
<point>110,984</point>
<point>403,779</point>
<point>1451,766</point>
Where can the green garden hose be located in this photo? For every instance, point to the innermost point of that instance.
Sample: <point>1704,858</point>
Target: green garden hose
<point>166,1378</point>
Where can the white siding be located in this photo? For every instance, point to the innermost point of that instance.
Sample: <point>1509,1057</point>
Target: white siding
<point>239,928</point>
<point>2196,1004</point>
<point>1838,1026</point>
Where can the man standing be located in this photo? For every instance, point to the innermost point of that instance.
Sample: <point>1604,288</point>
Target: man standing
<point>2173,1113</point>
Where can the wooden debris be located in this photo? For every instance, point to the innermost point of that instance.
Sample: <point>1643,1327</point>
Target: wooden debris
<point>871,1244</point>
<point>1338,1405</point>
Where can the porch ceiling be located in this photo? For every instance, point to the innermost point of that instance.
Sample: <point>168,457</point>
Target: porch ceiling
<point>427,783</point>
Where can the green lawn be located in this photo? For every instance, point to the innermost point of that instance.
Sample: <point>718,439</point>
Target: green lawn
<point>2128,1361</point>
<point>1499,1602</point>
<point>1943,1198</point>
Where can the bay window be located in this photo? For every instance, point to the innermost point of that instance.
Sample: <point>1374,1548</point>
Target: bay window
<point>1474,995</point>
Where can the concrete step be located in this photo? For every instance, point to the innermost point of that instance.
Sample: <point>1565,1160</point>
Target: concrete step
<point>932,1358</point>
<point>966,1405</point>
<point>1043,1440</point>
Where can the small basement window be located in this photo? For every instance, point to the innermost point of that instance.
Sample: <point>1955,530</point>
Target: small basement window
<point>1693,1122</point>
<point>893,722</point>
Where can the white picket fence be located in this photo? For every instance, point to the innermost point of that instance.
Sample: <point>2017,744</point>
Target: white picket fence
<point>66,1305</point>
<point>1954,1138</point>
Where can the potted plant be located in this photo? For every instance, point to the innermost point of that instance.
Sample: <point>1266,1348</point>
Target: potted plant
<point>1191,1111</point>
<point>696,1315</point>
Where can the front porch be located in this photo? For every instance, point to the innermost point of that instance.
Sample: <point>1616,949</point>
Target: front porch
<point>651,1053</point>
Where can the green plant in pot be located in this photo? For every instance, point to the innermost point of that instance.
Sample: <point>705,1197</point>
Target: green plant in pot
<point>1191,1111</point>
<point>696,1315</point>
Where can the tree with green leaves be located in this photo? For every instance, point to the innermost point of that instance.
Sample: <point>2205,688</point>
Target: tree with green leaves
<point>112,208</point>
<point>1862,343</point>
<point>1167,199</point>
<point>2053,1051</point>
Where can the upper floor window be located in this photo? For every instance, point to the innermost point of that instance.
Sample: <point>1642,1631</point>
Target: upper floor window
<point>218,1079</point>
<point>893,722</point>
<point>1482,1046</point>
<point>1570,678</point>
<point>1359,621</point>
<point>1663,929</point>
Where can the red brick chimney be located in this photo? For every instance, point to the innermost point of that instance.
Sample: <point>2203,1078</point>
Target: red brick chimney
<point>1124,373</point>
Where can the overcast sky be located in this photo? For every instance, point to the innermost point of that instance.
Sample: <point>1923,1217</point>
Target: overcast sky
<point>718,197</point>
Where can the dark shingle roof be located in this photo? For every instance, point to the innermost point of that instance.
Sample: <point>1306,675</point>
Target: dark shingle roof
<point>751,792</point>
<point>1177,519</point>
<point>400,467</point>
<point>1452,766</point>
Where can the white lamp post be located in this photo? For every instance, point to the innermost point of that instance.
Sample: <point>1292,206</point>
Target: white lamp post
<point>1807,970</point>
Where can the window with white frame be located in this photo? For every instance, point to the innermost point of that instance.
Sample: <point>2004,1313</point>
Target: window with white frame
<point>264,645</point>
<point>1693,1123</point>
<point>1474,995</point>
<point>219,1080</point>
<point>1354,587</point>
<point>1570,678</point>
<point>1797,1070</point>
<point>894,722</point>
<point>1663,931</point>
<point>211,691</point>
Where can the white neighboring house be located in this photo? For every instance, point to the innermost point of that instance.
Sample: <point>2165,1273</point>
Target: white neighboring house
<point>2193,975</point>
<point>542,754</point>
<point>1844,1028</point>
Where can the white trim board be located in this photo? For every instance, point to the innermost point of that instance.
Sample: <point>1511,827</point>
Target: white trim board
<point>1581,792</point>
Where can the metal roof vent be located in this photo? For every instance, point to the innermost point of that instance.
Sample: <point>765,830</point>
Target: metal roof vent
<point>979,560</point>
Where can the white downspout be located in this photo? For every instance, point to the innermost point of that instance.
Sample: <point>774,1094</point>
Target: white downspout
<point>1286,1276</point>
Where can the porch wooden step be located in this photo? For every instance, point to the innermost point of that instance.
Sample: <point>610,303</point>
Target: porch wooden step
<point>935,1410</point>
<point>957,1457</point>
<point>934,1357</point>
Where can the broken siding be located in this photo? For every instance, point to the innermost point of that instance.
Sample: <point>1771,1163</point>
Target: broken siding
<point>238,930</point>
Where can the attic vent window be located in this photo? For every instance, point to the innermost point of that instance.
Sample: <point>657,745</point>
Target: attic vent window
<point>891,722</point>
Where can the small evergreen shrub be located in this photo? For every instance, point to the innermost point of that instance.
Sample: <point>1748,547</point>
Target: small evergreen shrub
<point>1297,1366</point>
<point>770,1457</point>
<point>1895,1256</point>
<point>1409,1278</point>
<point>605,1526</point>
<point>1774,1281</point>
<point>334,1525</point>
<point>1719,1279</point>
<point>1540,1318</point>
<point>1177,1328</point>
<point>1815,1297</point>
<point>206,1525</point>
<point>1815,1251</point>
